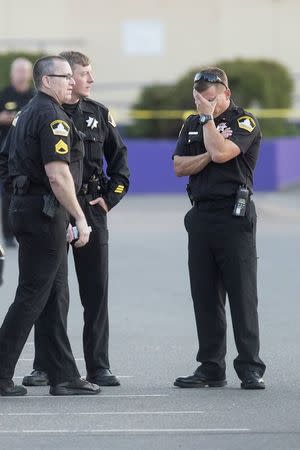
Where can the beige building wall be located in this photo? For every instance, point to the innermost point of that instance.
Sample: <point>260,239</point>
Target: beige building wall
<point>136,42</point>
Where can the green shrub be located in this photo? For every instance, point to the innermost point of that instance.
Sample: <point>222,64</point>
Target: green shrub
<point>254,84</point>
<point>5,62</point>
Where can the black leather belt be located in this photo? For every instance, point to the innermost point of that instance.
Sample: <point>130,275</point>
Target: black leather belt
<point>214,203</point>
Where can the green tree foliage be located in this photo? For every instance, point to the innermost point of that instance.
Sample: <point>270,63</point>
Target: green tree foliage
<point>254,84</point>
<point>5,62</point>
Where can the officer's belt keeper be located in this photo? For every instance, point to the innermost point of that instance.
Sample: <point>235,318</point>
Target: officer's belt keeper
<point>21,185</point>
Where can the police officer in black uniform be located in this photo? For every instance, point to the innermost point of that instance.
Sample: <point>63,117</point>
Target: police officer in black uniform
<point>39,148</point>
<point>99,193</point>
<point>217,149</point>
<point>12,99</point>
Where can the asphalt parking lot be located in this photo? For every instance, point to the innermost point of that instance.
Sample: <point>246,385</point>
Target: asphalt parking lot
<point>153,340</point>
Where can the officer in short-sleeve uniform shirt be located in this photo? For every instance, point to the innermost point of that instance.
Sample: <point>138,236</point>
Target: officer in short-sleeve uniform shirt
<point>40,134</point>
<point>222,247</point>
<point>105,182</point>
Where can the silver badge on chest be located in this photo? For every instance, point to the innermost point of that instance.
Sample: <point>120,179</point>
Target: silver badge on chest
<point>92,123</point>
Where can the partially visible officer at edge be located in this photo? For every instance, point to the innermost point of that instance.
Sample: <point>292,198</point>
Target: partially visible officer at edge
<point>1,264</point>
<point>39,147</point>
<point>98,194</point>
<point>217,149</point>
<point>12,99</point>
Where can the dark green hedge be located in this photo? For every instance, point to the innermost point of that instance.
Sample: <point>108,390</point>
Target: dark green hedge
<point>254,84</point>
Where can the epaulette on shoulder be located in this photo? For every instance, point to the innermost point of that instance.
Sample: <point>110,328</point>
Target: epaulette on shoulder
<point>94,102</point>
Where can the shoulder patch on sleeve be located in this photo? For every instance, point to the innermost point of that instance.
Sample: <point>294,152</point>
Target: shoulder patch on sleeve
<point>60,128</point>
<point>61,147</point>
<point>111,120</point>
<point>10,106</point>
<point>246,123</point>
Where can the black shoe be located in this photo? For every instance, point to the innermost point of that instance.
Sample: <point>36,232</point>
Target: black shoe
<point>75,387</point>
<point>253,381</point>
<point>200,380</point>
<point>104,377</point>
<point>9,389</point>
<point>36,378</point>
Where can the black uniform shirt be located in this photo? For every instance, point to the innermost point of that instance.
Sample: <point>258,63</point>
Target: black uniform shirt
<point>41,133</point>
<point>102,140</point>
<point>12,101</point>
<point>221,180</point>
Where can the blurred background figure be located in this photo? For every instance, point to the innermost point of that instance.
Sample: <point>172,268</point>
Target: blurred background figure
<point>12,100</point>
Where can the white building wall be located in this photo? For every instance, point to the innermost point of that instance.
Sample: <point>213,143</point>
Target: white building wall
<point>172,37</point>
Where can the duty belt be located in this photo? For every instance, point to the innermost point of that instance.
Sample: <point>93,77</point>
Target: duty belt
<point>91,187</point>
<point>214,203</point>
<point>22,186</point>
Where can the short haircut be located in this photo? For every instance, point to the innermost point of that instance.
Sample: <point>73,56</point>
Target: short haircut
<point>202,85</point>
<point>75,58</point>
<point>44,66</point>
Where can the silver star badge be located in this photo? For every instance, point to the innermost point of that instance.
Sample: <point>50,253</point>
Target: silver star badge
<point>92,123</point>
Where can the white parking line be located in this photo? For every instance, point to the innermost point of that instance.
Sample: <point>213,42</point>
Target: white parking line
<point>119,376</point>
<point>31,359</point>
<point>133,431</point>
<point>103,413</point>
<point>83,396</point>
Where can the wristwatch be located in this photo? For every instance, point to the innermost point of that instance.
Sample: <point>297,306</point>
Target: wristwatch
<point>204,118</point>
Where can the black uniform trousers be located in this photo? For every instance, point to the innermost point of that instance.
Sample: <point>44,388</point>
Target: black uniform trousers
<point>6,227</point>
<point>41,292</point>
<point>91,264</point>
<point>222,259</point>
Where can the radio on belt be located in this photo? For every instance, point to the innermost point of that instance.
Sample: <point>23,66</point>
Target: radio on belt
<point>241,201</point>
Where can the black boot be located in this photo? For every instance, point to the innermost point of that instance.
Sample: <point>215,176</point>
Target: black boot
<point>9,389</point>
<point>104,377</point>
<point>75,387</point>
<point>36,378</point>
<point>200,379</point>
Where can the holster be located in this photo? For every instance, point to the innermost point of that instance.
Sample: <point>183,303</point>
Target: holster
<point>96,186</point>
<point>50,205</point>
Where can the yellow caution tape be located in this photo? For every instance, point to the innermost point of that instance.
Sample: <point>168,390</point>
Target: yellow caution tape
<point>147,114</point>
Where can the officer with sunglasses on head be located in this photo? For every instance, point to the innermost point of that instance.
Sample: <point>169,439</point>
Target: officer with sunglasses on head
<point>218,148</point>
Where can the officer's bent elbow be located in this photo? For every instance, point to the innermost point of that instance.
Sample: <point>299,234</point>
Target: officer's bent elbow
<point>218,158</point>
<point>178,172</point>
<point>178,169</point>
